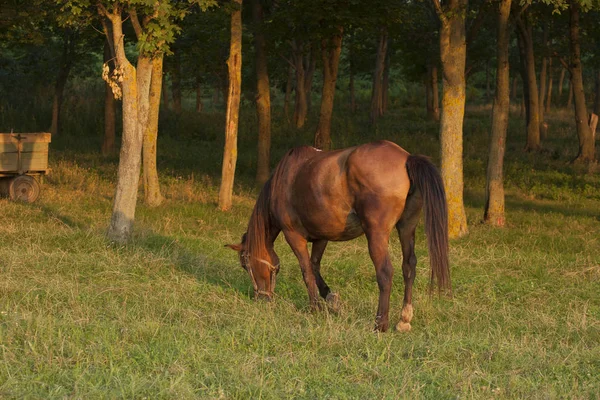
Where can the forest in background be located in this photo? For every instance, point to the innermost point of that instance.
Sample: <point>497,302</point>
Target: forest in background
<point>296,57</point>
<point>169,313</point>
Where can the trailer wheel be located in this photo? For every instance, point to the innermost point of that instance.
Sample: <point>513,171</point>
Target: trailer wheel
<point>24,188</point>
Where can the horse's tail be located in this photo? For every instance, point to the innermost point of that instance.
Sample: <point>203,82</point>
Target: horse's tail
<point>425,177</point>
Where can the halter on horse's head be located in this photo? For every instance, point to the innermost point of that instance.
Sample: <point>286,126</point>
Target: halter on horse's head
<point>262,268</point>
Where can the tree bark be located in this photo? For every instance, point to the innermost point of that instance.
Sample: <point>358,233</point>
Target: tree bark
<point>165,94</point>
<point>377,91</point>
<point>309,74</point>
<point>561,81</point>
<point>351,72</point>
<point>152,195</point>
<point>263,96</point>
<point>108,142</point>
<point>543,83</point>
<point>234,64</point>
<point>435,95</point>
<point>301,107</point>
<point>385,90</point>
<point>587,149</point>
<point>453,51</point>
<point>513,92</point>
<point>597,90</point>
<point>570,97</point>
<point>432,95</point>
<point>176,82</point>
<point>66,63</point>
<point>488,89</point>
<point>530,83</point>
<point>494,203</point>
<point>135,86</point>
<point>330,52</point>
<point>288,92</point>
<point>550,84</point>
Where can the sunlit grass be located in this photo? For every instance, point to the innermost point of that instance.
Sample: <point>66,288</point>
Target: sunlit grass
<point>171,316</point>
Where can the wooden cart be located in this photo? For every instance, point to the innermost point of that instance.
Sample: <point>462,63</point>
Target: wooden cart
<point>23,160</point>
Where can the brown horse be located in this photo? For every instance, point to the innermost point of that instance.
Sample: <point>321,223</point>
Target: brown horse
<point>316,196</point>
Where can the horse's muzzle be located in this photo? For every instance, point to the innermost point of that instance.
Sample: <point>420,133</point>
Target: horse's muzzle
<point>263,295</point>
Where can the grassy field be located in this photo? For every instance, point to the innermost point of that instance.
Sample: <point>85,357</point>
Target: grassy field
<point>171,314</point>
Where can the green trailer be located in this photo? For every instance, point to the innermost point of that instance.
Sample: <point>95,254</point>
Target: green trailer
<point>23,161</point>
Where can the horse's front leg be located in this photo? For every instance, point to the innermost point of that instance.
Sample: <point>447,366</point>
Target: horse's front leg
<point>378,250</point>
<point>299,246</point>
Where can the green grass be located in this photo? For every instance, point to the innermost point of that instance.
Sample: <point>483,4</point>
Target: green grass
<point>171,316</point>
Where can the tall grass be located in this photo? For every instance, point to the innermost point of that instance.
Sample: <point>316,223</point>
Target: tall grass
<point>171,314</point>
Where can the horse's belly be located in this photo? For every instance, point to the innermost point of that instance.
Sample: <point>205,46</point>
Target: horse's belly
<point>353,228</point>
<point>336,229</point>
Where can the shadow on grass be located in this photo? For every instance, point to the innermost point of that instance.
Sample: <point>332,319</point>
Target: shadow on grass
<point>223,272</point>
<point>515,203</point>
<point>203,267</point>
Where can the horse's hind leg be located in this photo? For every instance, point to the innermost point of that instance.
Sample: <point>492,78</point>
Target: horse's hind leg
<point>406,230</point>
<point>378,250</point>
<point>332,299</point>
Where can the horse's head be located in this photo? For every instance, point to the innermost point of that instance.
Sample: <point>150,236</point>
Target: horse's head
<point>261,266</point>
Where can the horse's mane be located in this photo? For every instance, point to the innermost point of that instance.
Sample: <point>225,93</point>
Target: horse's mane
<point>261,220</point>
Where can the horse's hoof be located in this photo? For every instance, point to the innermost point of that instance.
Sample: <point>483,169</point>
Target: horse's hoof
<point>333,302</point>
<point>403,327</point>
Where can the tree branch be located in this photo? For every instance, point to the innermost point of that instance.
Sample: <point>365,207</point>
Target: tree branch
<point>137,27</point>
<point>438,9</point>
<point>562,61</point>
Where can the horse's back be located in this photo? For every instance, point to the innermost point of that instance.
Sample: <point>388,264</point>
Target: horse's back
<point>321,192</point>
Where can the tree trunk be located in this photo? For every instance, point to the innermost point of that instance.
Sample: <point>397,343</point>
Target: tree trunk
<point>351,88</point>
<point>570,98</point>
<point>543,85</point>
<point>263,96</point>
<point>376,94</point>
<point>435,94</point>
<point>301,108</point>
<point>432,92</point>
<point>135,86</point>
<point>330,51</point>
<point>550,83</point>
<point>530,82</point>
<point>428,93</point>
<point>597,99</point>
<point>587,149</point>
<point>488,89</point>
<point>288,92</point>
<point>165,94</point>
<point>234,64</point>
<point>199,103</point>
<point>152,195</point>
<point>561,81</point>
<point>176,82</point>
<point>66,62</point>
<point>513,92</point>
<point>309,74</point>
<point>385,85</point>
<point>543,77</point>
<point>453,50</point>
<point>108,142</point>
<point>494,203</point>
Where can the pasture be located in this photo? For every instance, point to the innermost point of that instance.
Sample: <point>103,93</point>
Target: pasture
<point>171,315</point>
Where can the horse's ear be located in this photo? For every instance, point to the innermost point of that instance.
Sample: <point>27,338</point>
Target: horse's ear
<point>236,247</point>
